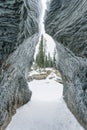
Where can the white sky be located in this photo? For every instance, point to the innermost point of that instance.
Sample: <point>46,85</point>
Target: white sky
<point>42,16</point>
<point>50,42</point>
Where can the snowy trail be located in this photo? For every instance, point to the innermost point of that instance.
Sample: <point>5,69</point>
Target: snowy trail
<point>46,110</point>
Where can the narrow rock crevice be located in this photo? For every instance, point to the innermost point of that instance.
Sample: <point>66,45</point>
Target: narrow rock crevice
<point>65,21</point>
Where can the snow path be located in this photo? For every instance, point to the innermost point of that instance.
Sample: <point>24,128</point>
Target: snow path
<point>46,110</point>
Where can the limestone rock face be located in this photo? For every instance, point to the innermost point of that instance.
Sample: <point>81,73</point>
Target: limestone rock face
<point>19,34</point>
<point>66,22</point>
<point>18,21</point>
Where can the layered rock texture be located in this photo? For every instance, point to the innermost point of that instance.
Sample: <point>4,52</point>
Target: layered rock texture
<point>19,33</point>
<point>66,22</point>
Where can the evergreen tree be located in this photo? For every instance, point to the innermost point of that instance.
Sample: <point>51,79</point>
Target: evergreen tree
<point>43,60</point>
<point>46,62</point>
<point>40,55</point>
<point>50,63</point>
<point>54,59</point>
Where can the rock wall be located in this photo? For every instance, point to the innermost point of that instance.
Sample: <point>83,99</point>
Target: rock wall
<point>66,22</point>
<point>19,34</point>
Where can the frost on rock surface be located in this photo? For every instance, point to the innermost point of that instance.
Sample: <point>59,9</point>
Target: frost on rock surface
<point>66,22</point>
<point>19,34</point>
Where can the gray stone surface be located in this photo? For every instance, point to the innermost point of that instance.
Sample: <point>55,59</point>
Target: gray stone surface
<point>18,21</point>
<point>66,22</point>
<point>19,34</point>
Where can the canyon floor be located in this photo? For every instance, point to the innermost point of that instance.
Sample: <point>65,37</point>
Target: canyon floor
<point>46,110</point>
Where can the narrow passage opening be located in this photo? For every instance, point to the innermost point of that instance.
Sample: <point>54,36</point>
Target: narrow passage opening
<point>47,109</point>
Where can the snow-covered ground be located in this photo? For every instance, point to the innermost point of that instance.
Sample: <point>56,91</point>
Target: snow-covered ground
<point>46,110</point>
